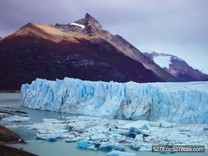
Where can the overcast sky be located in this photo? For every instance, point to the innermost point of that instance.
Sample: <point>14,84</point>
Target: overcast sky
<point>178,27</point>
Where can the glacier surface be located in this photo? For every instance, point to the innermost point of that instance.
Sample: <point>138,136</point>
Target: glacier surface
<point>171,102</point>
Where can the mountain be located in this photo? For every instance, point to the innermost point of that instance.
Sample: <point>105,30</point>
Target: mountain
<point>81,49</point>
<point>177,67</point>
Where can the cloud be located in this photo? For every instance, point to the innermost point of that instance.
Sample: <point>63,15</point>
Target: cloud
<point>173,26</point>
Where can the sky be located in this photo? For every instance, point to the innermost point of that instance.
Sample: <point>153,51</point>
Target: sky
<point>178,27</point>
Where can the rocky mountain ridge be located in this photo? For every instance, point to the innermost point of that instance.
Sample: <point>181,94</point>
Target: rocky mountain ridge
<point>178,67</point>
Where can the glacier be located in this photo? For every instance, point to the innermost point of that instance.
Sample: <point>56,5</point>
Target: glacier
<point>181,102</point>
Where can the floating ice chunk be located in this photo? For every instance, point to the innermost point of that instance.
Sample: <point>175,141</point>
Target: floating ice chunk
<point>178,137</point>
<point>50,130</point>
<point>165,124</point>
<point>135,145</point>
<point>106,146</point>
<point>145,133</point>
<point>133,132</point>
<point>206,129</point>
<point>49,137</point>
<point>119,153</point>
<point>3,115</point>
<point>119,148</point>
<point>146,147</point>
<point>144,127</point>
<point>86,145</point>
<point>16,118</point>
<point>75,139</point>
<point>139,138</point>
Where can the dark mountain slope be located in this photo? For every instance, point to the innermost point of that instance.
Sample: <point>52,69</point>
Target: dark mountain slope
<point>81,49</point>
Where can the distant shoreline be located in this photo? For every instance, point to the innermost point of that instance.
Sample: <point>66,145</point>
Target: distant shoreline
<point>9,91</point>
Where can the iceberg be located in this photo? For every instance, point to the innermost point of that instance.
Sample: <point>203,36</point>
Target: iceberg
<point>86,145</point>
<point>181,102</point>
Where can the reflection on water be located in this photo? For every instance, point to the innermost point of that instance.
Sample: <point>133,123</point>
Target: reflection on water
<point>60,148</point>
<point>9,100</point>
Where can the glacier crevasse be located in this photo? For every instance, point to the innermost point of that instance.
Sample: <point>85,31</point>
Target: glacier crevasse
<point>172,102</point>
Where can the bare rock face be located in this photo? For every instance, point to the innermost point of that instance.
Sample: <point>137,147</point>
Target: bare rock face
<point>80,49</point>
<point>10,151</point>
<point>7,136</point>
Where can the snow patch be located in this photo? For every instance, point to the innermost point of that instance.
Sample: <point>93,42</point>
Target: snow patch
<point>79,25</point>
<point>163,61</point>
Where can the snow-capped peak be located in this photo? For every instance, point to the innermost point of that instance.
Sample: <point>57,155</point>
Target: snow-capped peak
<point>79,25</point>
<point>177,67</point>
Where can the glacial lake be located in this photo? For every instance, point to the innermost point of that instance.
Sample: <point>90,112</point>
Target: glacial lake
<point>10,101</point>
